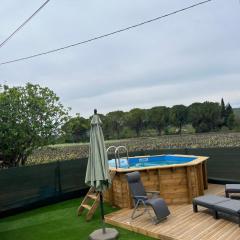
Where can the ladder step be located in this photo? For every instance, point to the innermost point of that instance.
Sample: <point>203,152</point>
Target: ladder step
<point>86,206</point>
<point>92,196</point>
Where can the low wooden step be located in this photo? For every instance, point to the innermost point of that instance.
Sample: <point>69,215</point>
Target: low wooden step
<point>86,206</point>
<point>93,196</point>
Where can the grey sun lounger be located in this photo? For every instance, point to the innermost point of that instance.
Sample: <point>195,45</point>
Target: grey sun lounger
<point>140,197</point>
<point>218,204</point>
<point>231,207</point>
<point>232,188</point>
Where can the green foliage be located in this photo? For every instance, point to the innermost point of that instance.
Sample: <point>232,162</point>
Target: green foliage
<point>230,121</point>
<point>136,119</point>
<point>229,118</point>
<point>236,112</point>
<point>223,111</point>
<point>30,117</point>
<point>116,122</point>
<point>179,116</point>
<point>195,114</point>
<point>158,118</point>
<point>237,124</point>
<point>76,130</point>
<point>198,117</point>
<point>227,115</point>
<point>205,116</point>
<point>127,132</point>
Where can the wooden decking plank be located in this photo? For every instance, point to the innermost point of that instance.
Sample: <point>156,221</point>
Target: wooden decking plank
<point>182,224</point>
<point>193,231</point>
<point>233,235</point>
<point>186,229</point>
<point>219,233</point>
<point>228,232</point>
<point>208,231</point>
<point>177,221</point>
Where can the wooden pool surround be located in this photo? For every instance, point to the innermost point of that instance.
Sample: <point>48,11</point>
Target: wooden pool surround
<point>177,183</point>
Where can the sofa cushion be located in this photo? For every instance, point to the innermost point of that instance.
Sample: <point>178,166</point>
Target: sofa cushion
<point>233,188</point>
<point>231,207</point>
<point>209,201</point>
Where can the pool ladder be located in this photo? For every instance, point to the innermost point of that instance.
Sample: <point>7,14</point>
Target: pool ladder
<point>117,155</point>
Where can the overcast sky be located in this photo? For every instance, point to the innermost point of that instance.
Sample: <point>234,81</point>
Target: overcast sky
<point>191,56</point>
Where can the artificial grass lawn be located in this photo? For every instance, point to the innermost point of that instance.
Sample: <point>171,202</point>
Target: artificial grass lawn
<point>56,222</point>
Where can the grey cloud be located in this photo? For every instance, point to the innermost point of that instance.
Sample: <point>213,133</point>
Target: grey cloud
<point>185,51</point>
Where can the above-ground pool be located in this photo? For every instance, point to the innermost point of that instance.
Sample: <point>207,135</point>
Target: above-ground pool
<point>178,178</point>
<point>150,161</point>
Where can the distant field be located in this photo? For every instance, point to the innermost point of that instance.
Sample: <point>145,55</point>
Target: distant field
<point>80,150</point>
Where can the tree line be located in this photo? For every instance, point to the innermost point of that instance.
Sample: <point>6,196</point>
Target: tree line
<point>203,117</point>
<point>32,116</point>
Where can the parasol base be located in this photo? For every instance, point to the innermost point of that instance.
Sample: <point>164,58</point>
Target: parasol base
<point>111,234</point>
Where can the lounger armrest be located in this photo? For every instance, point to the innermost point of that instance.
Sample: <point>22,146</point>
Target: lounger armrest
<point>154,194</point>
<point>140,197</point>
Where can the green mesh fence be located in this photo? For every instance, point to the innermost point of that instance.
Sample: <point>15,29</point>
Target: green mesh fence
<point>223,164</point>
<point>23,186</point>
<point>20,187</point>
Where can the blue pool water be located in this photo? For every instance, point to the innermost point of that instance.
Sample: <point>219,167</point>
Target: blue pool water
<point>150,161</point>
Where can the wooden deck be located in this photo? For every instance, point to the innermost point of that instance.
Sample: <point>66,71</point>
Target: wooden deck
<point>182,224</point>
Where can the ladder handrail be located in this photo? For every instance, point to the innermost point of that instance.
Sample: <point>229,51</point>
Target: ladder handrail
<point>110,147</point>
<point>118,156</point>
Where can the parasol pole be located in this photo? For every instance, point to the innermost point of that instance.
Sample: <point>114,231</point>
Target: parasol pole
<point>102,213</point>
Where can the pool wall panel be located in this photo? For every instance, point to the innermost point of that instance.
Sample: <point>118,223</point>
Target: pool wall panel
<point>177,185</point>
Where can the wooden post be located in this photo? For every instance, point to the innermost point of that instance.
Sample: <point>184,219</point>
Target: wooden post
<point>205,176</point>
<point>110,192</point>
<point>148,174</point>
<point>159,180</point>
<point>201,179</point>
<point>194,168</point>
<point>189,183</point>
<point>130,201</point>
